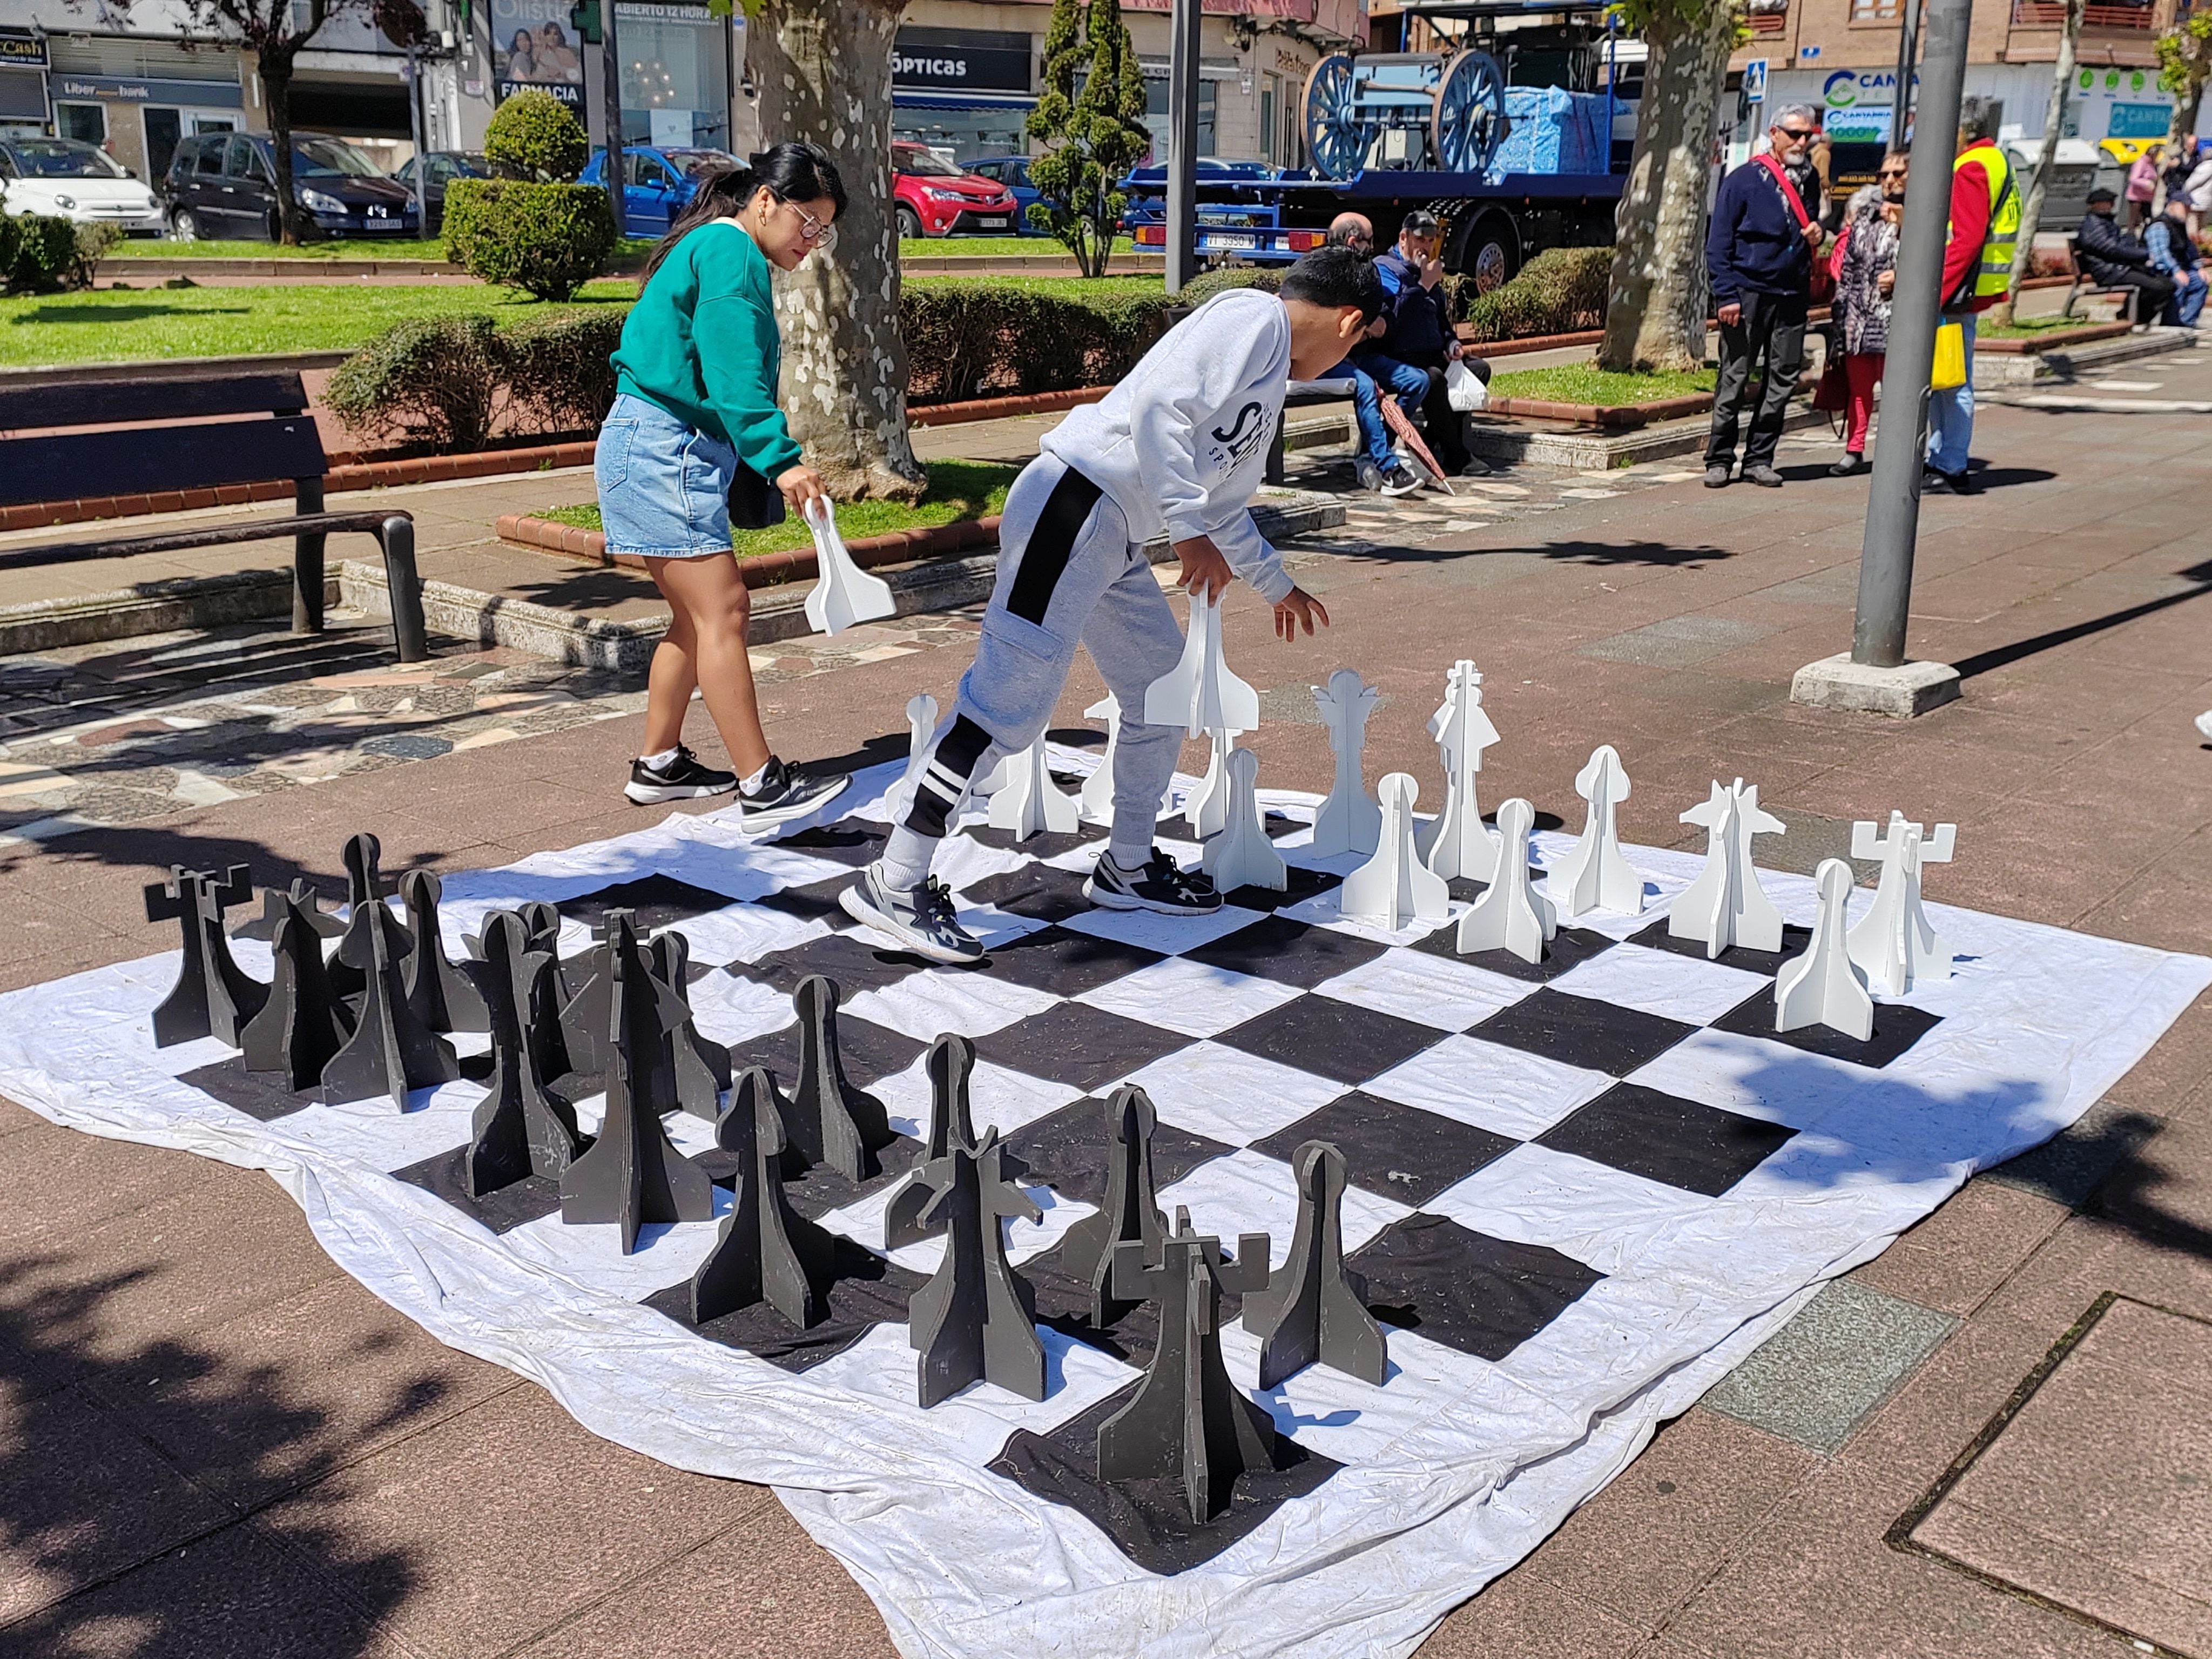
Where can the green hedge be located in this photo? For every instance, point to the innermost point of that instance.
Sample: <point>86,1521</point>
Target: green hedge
<point>434,380</point>
<point>41,253</point>
<point>969,338</point>
<point>547,239</point>
<point>559,373</point>
<point>534,136</point>
<point>1560,291</point>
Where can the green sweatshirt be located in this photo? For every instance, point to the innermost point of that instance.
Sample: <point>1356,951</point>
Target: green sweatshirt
<point>701,342</point>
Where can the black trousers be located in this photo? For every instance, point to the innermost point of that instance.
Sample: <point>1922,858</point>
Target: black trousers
<point>2157,289</point>
<point>1772,328</point>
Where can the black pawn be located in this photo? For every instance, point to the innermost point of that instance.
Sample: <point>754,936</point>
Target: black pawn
<point>349,962</point>
<point>1131,1211</point>
<point>633,1175</point>
<point>702,1068</point>
<point>831,1122</point>
<point>441,994</point>
<point>213,995</point>
<point>303,1023</point>
<point>390,1051</point>
<point>521,1127</point>
<point>949,1061</point>
<point>975,1321</point>
<point>1315,1311</point>
<point>1189,1421</point>
<point>766,1252</point>
<point>300,896</point>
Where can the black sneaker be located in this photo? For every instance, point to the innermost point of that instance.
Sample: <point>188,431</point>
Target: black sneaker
<point>920,920</point>
<point>785,793</point>
<point>682,779</point>
<point>1851,467</point>
<point>1161,885</point>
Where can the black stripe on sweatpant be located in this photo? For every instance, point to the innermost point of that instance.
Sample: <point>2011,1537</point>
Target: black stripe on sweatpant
<point>1049,544</point>
<point>955,757</point>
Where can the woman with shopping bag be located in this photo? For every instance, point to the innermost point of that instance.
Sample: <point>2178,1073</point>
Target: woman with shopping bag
<point>695,441</point>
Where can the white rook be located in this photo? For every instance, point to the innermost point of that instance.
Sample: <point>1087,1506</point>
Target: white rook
<point>1896,946</point>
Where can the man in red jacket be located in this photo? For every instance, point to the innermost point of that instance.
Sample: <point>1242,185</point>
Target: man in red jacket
<point>1977,265</point>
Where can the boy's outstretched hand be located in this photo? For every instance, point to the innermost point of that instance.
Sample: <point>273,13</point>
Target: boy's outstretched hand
<point>1295,607</point>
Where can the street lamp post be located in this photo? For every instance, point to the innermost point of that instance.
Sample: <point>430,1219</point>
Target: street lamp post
<point>1900,102</point>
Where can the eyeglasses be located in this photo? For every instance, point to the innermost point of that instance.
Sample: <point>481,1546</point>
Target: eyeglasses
<point>815,232</point>
<point>1797,133</point>
<point>1891,172</point>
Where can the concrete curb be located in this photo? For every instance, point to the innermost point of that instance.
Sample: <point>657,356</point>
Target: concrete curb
<point>1995,372</point>
<point>762,570</point>
<point>187,602</point>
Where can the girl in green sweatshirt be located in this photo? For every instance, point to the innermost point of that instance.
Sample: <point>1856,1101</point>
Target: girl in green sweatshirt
<point>694,419</point>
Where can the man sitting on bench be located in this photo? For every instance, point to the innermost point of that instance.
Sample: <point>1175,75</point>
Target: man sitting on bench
<point>2114,258</point>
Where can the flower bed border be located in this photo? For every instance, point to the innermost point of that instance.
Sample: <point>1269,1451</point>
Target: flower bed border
<point>764,569</point>
<point>2055,339</point>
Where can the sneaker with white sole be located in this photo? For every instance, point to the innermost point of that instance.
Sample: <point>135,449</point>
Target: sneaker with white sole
<point>920,920</point>
<point>1161,885</point>
<point>684,778</point>
<point>1399,480</point>
<point>785,793</point>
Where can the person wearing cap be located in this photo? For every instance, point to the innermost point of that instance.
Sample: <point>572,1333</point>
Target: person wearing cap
<point>1418,333</point>
<point>2173,256</point>
<point>2114,258</point>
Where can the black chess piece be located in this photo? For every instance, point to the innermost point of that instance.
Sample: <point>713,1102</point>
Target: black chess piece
<point>301,897</point>
<point>348,964</point>
<point>1189,1421</point>
<point>441,996</point>
<point>1315,1310</point>
<point>213,995</point>
<point>975,1321</point>
<point>1130,1211</point>
<point>543,921</point>
<point>588,1015</point>
<point>303,1023</point>
<point>766,1251</point>
<point>949,1062</point>
<point>702,1068</point>
<point>390,1051</point>
<point>521,1128</point>
<point>831,1122</point>
<point>633,1175</point>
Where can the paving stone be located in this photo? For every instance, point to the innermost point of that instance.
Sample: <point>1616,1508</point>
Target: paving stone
<point>1677,641</point>
<point>2068,1168</point>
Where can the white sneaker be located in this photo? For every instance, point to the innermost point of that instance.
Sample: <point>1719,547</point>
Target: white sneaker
<point>2204,723</point>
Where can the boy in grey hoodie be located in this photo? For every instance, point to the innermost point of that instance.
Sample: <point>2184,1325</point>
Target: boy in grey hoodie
<point>1177,449</point>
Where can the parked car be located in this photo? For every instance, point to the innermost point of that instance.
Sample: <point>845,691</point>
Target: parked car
<point>223,184</point>
<point>657,184</point>
<point>74,181</point>
<point>937,197</point>
<point>440,168</point>
<point>1012,172</point>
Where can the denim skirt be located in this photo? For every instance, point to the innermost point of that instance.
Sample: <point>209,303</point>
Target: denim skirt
<point>664,486</point>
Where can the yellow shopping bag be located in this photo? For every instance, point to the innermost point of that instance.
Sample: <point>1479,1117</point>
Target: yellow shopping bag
<point>1950,366</point>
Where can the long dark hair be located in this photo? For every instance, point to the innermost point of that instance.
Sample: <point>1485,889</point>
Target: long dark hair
<point>790,172</point>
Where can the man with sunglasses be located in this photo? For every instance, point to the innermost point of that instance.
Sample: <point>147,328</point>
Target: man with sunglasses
<point>1758,253</point>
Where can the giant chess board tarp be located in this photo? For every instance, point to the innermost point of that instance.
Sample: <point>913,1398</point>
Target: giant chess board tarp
<point>1579,1193</point>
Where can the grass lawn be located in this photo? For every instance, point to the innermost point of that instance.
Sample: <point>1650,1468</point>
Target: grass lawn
<point>2021,327</point>
<point>1072,287</point>
<point>1580,383</point>
<point>363,247</point>
<point>957,489</point>
<point>143,325</point>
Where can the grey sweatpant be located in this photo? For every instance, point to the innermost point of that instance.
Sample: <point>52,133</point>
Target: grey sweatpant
<point>1068,576</point>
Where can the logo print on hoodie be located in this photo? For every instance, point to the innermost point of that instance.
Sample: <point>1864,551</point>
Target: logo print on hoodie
<point>1239,442</point>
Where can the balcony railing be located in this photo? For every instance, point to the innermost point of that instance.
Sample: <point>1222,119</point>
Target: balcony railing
<point>2051,14</point>
<point>1768,22</point>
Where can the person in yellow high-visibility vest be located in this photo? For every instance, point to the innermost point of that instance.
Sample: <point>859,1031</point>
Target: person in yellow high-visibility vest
<point>1977,270</point>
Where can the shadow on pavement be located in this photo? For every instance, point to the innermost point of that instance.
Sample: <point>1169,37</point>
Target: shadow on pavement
<point>1982,661</point>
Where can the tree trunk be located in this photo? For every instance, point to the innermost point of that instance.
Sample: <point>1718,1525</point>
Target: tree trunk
<point>2054,122</point>
<point>2190,101</point>
<point>274,69</point>
<point>824,67</point>
<point>1655,299</point>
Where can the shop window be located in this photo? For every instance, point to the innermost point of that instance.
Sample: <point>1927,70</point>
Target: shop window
<point>85,123</point>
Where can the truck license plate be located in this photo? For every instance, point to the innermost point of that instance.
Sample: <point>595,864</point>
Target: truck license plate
<point>1230,239</point>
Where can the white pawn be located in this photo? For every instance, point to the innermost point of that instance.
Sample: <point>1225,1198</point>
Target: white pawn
<point>921,724</point>
<point>1205,809</point>
<point>843,593</point>
<point>1350,820</point>
<point>1242,855</point>
<point>1392,889</point>
<point>1098,798</point>
<point>1896,946</point>
<point>1595,876</point>
<point>1510,915</point>
<point>1199,693</point>
<point>1726,905</point>
<point>1031,803</point>
<point>1822,986</point>
<point>1456,842</point>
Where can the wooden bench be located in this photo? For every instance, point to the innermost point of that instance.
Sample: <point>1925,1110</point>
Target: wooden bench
<point>180,437</point>
<point>2083,284</point>
<point>1324,392</point>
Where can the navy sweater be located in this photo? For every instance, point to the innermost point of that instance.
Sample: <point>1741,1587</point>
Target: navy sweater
<point>1418,320</point>
<point>1754,246</point>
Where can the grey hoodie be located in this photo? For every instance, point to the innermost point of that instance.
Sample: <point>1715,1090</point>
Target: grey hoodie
<point>1181,444</point>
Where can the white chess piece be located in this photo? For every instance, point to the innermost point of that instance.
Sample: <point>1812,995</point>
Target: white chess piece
<point>1097,797</point>
<point>921,725</point>
<point>1391,889</point>
<point>843,593</point>
<point>1242,855</point>
<point>1510,915</point>
<point>1823,987</point>
<point>1726,905</point>
<point>1350,820</point>
<point>1896,946</point>
<point>1199,693</point>
<point>1206,808</point>
<point>1456,843</point>
<point>1596,877</point>
<point>1031,803</point>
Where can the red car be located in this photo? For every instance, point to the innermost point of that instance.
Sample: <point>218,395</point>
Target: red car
<point>936,198</point>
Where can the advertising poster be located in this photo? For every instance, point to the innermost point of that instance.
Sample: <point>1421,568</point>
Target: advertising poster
<point>532,47</point>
